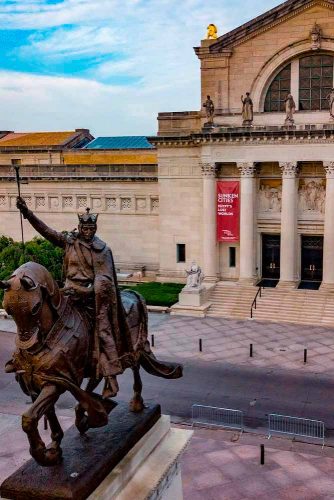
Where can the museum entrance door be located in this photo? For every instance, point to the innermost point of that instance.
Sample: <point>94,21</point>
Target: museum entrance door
<point>311,262</point>
<point>271,244</point>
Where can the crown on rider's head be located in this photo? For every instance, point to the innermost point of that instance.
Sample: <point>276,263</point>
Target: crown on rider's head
<point>87,218</point>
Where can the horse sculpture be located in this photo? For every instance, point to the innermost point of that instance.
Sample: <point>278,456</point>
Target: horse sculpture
<point>54,342</point>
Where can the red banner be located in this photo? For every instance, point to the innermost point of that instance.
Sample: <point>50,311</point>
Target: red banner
<point>228,203</point>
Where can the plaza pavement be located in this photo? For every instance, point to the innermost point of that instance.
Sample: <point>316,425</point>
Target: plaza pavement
<point>220,464</point>
<point>227,340</point>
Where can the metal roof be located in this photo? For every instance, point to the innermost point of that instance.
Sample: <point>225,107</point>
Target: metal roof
<point>122,142</point>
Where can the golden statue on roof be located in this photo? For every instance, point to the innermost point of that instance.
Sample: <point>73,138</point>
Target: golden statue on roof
<point>212,32</point>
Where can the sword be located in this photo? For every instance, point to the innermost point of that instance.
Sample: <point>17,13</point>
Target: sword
<point>17,172</point>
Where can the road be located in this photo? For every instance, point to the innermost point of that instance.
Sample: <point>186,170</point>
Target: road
<point>256,391</point>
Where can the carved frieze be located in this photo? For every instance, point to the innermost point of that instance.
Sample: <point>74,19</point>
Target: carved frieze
<point>312,196</point>
<point>270,196</point>
<point>289,169</point>
<point>208,169</point>
<point>329,169</point>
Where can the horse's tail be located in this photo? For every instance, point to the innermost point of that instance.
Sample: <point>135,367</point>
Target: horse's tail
<point>159,368</point>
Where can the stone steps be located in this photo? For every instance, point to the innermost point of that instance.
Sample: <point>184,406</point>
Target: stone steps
<point>305,307</point>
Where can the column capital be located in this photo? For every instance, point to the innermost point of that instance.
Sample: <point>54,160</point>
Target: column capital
<point>209,169</point>
<point>289,169</point>
<point>329,169</point>
<point>247,169</point>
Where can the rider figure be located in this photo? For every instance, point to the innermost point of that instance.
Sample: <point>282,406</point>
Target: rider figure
<point>90,273</point>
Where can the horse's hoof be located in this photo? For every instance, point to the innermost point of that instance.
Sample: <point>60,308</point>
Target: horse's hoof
<point>47,457</point>
<point>82,424</point>
<point>136,405</point>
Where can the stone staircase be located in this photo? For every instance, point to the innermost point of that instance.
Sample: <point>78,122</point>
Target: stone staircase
<point>308,307</point>
<point>231,300</point>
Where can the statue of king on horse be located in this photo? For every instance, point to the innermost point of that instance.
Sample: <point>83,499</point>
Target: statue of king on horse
<point>87,329</point>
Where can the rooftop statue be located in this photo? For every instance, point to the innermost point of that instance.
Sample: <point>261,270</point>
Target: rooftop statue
<point>212,32</point>
<point>86,329</point>
<point>247,110</point>
<point>290,108</point>
<point>330,98</point>
<point>209,109</point>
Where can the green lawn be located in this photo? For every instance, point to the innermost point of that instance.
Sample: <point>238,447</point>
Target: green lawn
<point>158,294</point>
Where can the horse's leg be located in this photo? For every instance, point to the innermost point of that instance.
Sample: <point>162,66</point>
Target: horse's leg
<point>44,402</point>
<point>137,402</point>
<point>81,417</point>
<point>57,433</point>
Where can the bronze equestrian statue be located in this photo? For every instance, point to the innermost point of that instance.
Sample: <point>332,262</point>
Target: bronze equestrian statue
<point>88,329</point>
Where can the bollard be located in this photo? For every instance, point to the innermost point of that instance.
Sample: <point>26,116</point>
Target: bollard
<point>200,345</point>
<point>45,423</point>
<point>262,454</point>
<point>250,350</point>
<point>152,340</point>
<point>305,355</point>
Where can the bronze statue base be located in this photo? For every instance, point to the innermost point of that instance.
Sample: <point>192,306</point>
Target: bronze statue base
<point>87,459</point>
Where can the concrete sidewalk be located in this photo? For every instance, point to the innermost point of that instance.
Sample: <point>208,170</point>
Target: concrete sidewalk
<point>227,340</point>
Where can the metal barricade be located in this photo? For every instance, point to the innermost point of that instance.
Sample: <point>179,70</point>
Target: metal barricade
<point>295,426</point>
<point>218,417</point>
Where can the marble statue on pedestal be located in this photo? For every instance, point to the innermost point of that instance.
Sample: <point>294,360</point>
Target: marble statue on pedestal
<point>194,276</point>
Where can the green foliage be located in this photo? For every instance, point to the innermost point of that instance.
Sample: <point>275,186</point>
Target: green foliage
<point>158,294</point>
<point>13,255</point>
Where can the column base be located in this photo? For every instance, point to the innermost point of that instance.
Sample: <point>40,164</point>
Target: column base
<point>287,285</point>
<point>327,287</point>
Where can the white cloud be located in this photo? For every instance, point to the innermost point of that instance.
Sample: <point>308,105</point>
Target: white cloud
<point>153,41</point>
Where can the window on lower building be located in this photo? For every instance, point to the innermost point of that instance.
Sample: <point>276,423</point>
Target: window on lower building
<point>315,81</point>
<point>180,252</point>
<point>232,256</point>
<point>278,90</point>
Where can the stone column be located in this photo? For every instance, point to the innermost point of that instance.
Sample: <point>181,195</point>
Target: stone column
<point>288,275</point>
<point>209,222</point>
<point>247,222</point>
<point>328,257</point>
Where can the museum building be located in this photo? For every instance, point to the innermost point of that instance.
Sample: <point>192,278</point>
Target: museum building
<point>281,162</point>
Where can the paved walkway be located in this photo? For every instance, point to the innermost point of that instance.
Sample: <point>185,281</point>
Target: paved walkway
<point>221,465</point>
<point>226,340</point>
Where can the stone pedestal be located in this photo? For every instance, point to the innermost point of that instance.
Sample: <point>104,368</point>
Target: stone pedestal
<point>193,301</point>
<point>134,456</point>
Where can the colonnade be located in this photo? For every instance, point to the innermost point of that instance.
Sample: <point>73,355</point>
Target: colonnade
<point>289,218</point>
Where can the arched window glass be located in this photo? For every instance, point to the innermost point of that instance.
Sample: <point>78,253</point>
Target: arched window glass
<point>315,81</point>
<point>278,90</point>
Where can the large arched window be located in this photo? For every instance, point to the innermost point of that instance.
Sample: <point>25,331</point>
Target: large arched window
<point>278,90</point>
<point>315,81</point>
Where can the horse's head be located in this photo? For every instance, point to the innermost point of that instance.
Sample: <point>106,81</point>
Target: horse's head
<point>32,297</point>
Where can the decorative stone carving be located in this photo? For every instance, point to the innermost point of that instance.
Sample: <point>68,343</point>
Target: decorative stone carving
<point>290,108</point>
<point>289,169</point>
<point>208,169</point>
<point>312,195</point>
<point>194,276</point>
<point>67,202</point>
<point>140,203</point>
<point>111,203</point>
<point>96,202</point>
<point>270,198</point>
<point>155,204</point>
<point>247,169</point>
<point>53,201</point>
<point>329,169</point>
<point>126,203</point>
<point>315,35</point>
<point>40,201</point>
<point>82,202</point>
<point>2,201</point>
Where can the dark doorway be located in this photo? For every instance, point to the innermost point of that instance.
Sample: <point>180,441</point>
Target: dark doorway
<point>311,265</point>
<point>271,244</point>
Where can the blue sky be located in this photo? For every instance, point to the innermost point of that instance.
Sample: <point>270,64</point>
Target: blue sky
<point>108,65</point>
